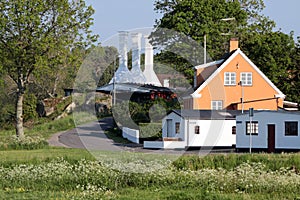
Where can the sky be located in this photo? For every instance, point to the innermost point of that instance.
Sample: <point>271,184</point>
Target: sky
<point>112,16</point>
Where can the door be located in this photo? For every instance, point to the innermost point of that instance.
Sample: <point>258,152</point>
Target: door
<point>169,127</point>
<point>271,138</point>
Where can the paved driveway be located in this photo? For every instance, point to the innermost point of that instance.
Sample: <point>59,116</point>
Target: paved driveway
<point>88,136</point>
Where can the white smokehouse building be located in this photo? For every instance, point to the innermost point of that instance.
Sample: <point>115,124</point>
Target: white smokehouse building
<point>271,131</point>
<point>197,128</point>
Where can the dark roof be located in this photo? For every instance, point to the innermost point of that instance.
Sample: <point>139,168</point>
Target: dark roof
<point>131,87</point>
<point>208,114</point>
<point>274,112</point>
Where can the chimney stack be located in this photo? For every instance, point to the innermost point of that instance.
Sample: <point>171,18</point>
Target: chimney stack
<point>123,39</point>
<point>136,49</point>
<point>137,74</point>
<point>149,73</point>
<point>234,44</point>
<point>122,75</point>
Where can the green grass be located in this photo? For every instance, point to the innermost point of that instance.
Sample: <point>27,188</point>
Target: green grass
<point>189,178</point>
<point>35,137</point>
<point>115,134</point>
<point>13,157</point>
<point>230,161</point>
<point>46,129</point>
<point>170,193</point>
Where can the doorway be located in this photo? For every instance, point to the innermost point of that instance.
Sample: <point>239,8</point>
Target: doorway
<point>169,127</point>
<point>271,138</point>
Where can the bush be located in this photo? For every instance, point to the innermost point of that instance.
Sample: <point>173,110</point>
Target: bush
<point>29,143</point>
<point>150,130</point>
<point>29,109</point>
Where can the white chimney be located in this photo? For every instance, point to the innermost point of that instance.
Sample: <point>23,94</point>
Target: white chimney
<point>136,49</point>
<point>151,77</point>
<point>122,75</point>
<point>137,74</point>
<point>123,40</point>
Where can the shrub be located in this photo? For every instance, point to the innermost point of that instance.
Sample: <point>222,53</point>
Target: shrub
<point>151,130</point>
<point>29,143</point>
<point>29,109</point>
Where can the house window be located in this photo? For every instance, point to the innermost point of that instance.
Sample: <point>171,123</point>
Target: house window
<point>233,130</point>
<point>291,128</point>
<point>177,127</point>
<point>217,105</point>
<point>246,78</point>
<point>229,78</point>
<point>252,129</point>
<point>197,129</point>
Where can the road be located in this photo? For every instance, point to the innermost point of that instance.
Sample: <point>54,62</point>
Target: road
<point>88,136</point>
<point>91,136</point>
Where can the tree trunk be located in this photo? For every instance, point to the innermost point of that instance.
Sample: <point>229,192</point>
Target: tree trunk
<point>19,115</point>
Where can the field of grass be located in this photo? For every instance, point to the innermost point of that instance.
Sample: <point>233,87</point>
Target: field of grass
<point>35,137</point>
<point>63,173</point>
<point>58,173</point>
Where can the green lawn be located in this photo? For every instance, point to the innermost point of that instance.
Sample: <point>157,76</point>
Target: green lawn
<point>65,173</point>
<point>42,155</point>
<point>60,173</point>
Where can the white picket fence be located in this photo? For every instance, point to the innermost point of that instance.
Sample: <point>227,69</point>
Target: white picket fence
<point>131,134</point>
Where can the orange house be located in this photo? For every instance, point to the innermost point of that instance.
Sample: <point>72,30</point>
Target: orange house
<point>233,83</point>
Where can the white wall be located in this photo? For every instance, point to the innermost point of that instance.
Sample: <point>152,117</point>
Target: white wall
<point>164,144</point>
<point>131,134</point>
<point>261,140</point>
<point>213,133</point>
<point>216,133</point>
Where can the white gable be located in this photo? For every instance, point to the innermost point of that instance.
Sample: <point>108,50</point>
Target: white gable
<point>238,51</point>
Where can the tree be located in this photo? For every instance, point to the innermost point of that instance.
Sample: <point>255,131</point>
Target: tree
<point>35,34</point>
<point>273,52</point>
<point>196,18</point>
<point>294,75</point>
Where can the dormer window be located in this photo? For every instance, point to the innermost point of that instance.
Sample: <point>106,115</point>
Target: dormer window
<point>229,78</point>
<point>246,78</point>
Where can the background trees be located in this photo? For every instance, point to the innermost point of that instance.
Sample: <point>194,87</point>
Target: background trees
<point>36,35</point>
<point>274,52</point>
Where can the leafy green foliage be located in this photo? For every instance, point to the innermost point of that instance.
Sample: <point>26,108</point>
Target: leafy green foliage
<point>151,130</point>
<point>194,19</point>
<point>37,35</point>
<point>61,106</point>
<point>293,81</point>
<point>130,114</point>
<point>275,53</point>
<point>27,142</point>
<point>30,107</point>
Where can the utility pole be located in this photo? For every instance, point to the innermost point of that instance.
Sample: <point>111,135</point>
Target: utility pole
<point>204,56</point>
<point>242,98</point>
<point>250,138</point>
<point>114,83</point>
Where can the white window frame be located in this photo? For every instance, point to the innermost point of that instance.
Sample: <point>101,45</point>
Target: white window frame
<point>216,105</point>
<point>291,130</point>
<point>229,78</point>
<point>252,128</point>
<point>246,78</point>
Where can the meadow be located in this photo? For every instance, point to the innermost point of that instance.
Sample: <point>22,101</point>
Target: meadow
<point>33,170</point>
<point>58,173</point>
